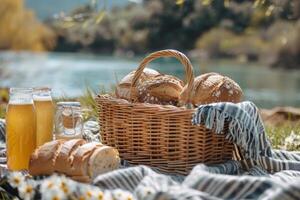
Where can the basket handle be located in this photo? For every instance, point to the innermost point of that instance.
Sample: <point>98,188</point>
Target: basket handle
<point>189,74</point>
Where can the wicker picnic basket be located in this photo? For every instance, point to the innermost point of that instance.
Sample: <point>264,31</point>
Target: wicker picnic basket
<point>160,136</point>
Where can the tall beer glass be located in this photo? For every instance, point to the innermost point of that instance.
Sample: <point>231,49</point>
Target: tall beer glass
<point>21,134</point>
<point>44,110</point>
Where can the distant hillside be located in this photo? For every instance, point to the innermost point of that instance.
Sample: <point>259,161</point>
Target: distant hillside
<point>46,8</point>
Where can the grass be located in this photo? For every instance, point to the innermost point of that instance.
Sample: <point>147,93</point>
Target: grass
<point>276,134</point>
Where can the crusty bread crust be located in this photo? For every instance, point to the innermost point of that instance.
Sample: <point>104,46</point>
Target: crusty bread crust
<point>62,163</point>
<point>80,159</point>
<point>163,89</point>
<point>43,159</point>
<point>213,87</point>
<point>122,90</point>
<point>102,160</point>
<point>72,158</point>
<point>82,179</point>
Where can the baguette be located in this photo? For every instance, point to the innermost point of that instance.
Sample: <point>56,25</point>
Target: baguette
<point>43,158</point>
<point>62,162</point>
<point>75,158</point>
<point>103,159</point>
<point>80,159</point>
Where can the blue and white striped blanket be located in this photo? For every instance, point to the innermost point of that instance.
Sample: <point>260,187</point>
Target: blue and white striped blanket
<point>259,172</point>
<point>246,130</point>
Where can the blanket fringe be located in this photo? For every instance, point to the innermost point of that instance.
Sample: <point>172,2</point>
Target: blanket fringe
<point>238,133</point>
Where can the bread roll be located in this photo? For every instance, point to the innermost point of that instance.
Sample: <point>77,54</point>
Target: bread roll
<point>123,88</point>
<point>103,159</point>
<point>43,158</point>
<point>63,163</point>
<point>213,87</point>
<point>163,89</point>
<point>80,159</point>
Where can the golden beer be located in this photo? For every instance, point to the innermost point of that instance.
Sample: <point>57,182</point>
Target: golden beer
<point>20,128</point>
<point>44,110</point>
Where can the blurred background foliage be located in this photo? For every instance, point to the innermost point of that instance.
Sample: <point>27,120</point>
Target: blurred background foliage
<point>19,29</point>
<point>265,31</point>
<point>261,30</point>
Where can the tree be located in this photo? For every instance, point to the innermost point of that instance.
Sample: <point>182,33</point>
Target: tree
<point>20,30</point>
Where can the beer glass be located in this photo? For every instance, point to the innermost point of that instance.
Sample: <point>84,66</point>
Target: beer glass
<point>20,128</point>
<point>44,110</point>
<point>68,120</point>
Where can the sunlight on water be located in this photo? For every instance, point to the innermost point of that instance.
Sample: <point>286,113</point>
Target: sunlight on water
<point>68,75</point>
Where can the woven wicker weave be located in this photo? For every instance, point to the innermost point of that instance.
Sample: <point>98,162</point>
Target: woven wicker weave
<point>156,135</point>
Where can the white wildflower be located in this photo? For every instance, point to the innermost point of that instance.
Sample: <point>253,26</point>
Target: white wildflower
<point>26,190</point>
<point>88,192</point>
<point>122,195</point>
<point>16,179</point>
<point>55,188</point>
<point>54,194</point>
<point>99,195</point>
<point>92,194</point>
<point>292,142</point>
<point>47,185</point>
<point>108,195</point>
<point>66,185</point>
<point>145,192</point>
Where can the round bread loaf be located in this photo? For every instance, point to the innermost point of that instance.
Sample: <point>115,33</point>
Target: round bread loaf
<point>162,89</point>
<point>123,88</point>
<point>213,87</point>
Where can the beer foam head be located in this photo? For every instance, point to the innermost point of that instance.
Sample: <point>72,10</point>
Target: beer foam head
<point>42,98</point>
<point>20,102</point>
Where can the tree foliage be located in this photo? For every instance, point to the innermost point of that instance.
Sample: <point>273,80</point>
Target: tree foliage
<point>157,24</point>
<point>20,30</point>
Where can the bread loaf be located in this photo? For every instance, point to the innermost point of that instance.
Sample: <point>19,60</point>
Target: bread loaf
<point>80,159</point>
<point>103,159</point>
<point>123,88</point>
<point>75,158</point>
<point>162,89</point>
<point>213,87</point>
<point>43,158</point>
<point>63,162</point>
<point>83,179</point>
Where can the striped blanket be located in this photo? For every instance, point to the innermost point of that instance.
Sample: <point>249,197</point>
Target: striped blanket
<point>258,172</point>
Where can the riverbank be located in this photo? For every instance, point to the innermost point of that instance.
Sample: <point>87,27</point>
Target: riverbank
<point>264,31</point>
<point>282,123</point>
<point>68,74</point>
<point>238,31</point>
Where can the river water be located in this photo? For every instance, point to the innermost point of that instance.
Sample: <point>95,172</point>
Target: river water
<point>69,74</point>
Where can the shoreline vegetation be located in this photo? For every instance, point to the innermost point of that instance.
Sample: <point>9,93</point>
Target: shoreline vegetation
<point>267,31</point>
<point>20,30</point>
<point>246,31</point>
<point>282,123</point>
<point>240,31</point>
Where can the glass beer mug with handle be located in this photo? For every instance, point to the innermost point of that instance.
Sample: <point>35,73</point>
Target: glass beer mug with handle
<point>20,128</point>
<point>68,120</point>
<point>44,110</point>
